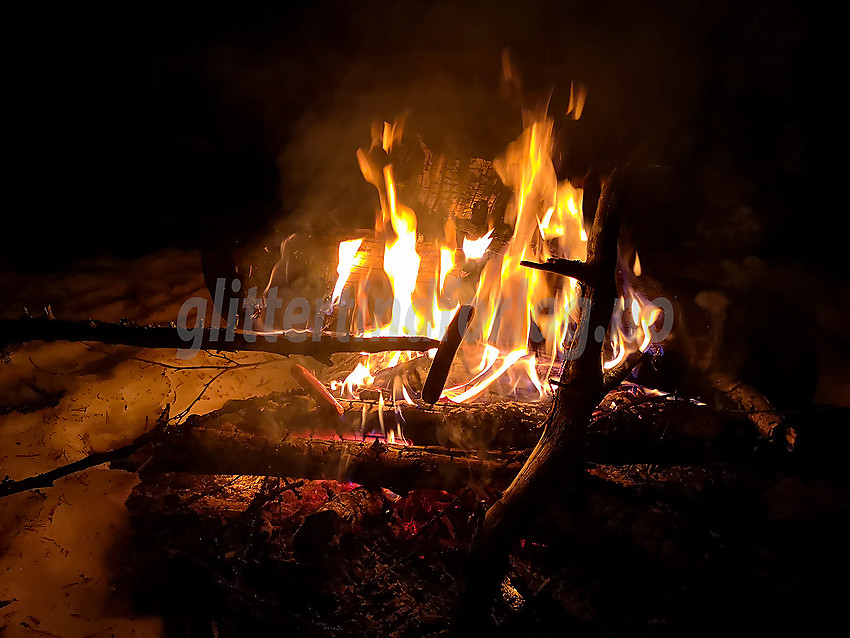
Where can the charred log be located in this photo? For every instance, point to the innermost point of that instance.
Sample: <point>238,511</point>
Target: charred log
<point>375,465</point>
<point>559,455</point>
<point>771,425</point>
<point>442,362</point>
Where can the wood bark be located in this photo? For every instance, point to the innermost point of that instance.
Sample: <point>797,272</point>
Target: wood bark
<point>371,464</point>
<point>771,425</point>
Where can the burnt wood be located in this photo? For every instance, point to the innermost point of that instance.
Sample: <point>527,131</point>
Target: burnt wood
<point>440,366</point>
<point>372,464</point>
<point>558,458</point>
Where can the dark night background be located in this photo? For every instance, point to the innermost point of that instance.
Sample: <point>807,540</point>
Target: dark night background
<point>145,126</point>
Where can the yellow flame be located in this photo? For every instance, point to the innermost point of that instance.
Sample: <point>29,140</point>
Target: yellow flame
<point>347,261</point>
<point>513,304</point>
<point>360,377</point>
<point>401,261</point>
<point>492,375</point>
<point>447,263</point>
<point>475,248</point>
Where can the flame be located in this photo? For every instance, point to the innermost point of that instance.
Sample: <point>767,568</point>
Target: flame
<point>347,261</point>
<point>475,248</point>
<point>525,319</point>
<point>493,373</point>
<point>447,263</point>
<point>578,96</point>
<point>401,261</point>
<point>360,377</point>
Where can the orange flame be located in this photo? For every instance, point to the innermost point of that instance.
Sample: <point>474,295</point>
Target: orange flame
<point>524,318</point>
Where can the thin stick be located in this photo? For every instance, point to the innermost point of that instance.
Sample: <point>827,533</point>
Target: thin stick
<point>442,363</point>
<point>323,344</point>
<point>566,267</point>
<point>46,479</point>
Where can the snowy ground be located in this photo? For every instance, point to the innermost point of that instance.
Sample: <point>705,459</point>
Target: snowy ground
<point>60,401</point>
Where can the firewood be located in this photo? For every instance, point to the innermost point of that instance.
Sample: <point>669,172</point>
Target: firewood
<point>559,456</point>
<point>460,188</point>
<point>492,427</point>
<point>371,464</point>
<point>756,407</point>
<point>319,345</point>
<point>496,425</point>
<point>446,351</point>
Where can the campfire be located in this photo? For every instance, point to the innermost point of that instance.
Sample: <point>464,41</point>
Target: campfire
<point>484,413</point>
<point>516,324</point>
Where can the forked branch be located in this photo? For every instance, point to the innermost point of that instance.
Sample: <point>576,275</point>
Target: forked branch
<point>558,458</point>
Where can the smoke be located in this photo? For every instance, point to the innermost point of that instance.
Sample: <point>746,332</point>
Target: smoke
<point>709,88</point>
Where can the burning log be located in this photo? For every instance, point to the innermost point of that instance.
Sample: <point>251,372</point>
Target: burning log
<point>446,351</point>
<point>559,455</point>
<point>318,345</point>
<point>374,465</point>
<point>498,425</point>
<point>630,432</point>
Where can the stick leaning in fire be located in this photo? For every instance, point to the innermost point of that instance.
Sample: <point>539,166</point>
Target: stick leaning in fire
<point>558,458</point>
<point>439,371</point>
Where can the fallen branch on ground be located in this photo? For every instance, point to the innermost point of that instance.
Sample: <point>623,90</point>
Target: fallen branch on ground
<point>46,479</point>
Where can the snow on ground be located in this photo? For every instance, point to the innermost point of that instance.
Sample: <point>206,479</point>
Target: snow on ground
<point>60,401</point>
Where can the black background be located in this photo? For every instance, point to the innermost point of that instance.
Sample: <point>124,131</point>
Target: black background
<point>138,127</point>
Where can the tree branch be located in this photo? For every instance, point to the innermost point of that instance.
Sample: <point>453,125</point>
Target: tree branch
<point>566,267</point>
<point>558,458</point>
<point>46,479</point>
<point>319,345</point>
